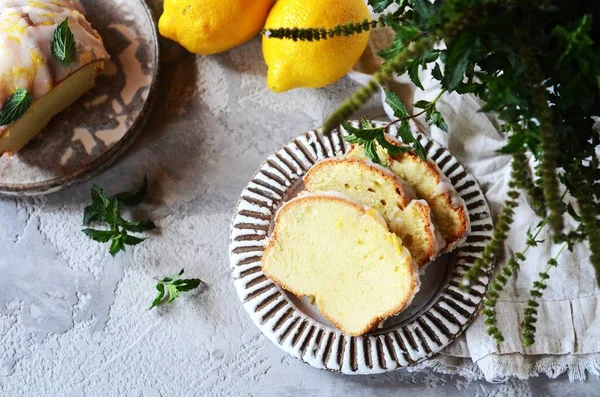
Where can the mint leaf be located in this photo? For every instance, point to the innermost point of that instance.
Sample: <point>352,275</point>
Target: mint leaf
<point>424,9</point>
<point>117,245</point>
<point>108,210</point>
<point>173,292</point>
<point>436,118</point>
<point>380,5</point>
<point>187,285</point>
<point>394,101</point>
<point>102,236</point>
<point>173,287</point>
<point>63,43</point>
<point>422,104</point>
<point>403,34</point>
<point>137,227</point>
<point>457,62</point>
<point>113,212</point>
<point>393,150</point>
<point>132,240</point>
<point>135,197</point>
<point>515,143</point>
<point>413,73</point>
<point>436,73</point>
<point>371,151</point>
<point>159,296</point>
<point>407,137</point>
<point>96,211</point>
<point>15,107</point>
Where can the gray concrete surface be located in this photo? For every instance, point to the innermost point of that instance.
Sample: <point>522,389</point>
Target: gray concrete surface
<point>74,321</point>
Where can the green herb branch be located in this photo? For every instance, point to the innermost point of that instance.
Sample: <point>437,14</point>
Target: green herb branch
<point>548,144</point>
<point>531,310</point>
<point>106,209</point>
<point>432,115</point>
<point>536,93</point>
<point>507,271</point>
<point>362,95</point>
<point>317,34</point>
<point>499,235</point>
<point>171,288</point>
<point>370,138</point>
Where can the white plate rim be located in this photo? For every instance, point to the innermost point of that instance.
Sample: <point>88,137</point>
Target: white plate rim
<point>323,346</point>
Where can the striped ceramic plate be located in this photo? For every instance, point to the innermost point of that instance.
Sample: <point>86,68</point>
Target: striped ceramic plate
<point>439,313</point>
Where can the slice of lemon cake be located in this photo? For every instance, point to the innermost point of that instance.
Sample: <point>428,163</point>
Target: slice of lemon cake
<point>49,57</point>
<point>381,189</point>
<point>343,254</point>
<point>430,184</point>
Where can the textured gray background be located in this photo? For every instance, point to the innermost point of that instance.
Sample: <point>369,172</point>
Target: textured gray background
<point>74,321</point>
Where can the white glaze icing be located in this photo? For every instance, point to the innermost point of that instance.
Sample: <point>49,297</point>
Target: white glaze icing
<point>446,187</point>
<point>443,187</point>
<point>26,32</point>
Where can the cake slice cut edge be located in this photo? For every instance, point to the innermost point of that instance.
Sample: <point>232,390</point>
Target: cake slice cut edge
<point>42,110</point>
<point>415,226</point>
<point>343,254</point>
<point>384,191</point>
<point>429,183</point>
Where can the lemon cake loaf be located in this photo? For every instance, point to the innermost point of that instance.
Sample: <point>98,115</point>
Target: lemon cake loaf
<point>430,184</point>
<point>381,189</point>
<point>343,254</point>
<point>30,68</point>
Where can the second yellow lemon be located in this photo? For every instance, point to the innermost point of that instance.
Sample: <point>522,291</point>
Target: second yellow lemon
<point>211,26</point>
<point>294,64</point>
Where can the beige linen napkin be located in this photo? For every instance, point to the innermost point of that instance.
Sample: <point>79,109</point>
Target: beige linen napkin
<point>568,327</point>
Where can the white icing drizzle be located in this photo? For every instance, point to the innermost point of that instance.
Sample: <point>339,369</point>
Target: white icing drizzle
<point>26,32</point>
<point>445,187</point>
<point>417,280</point>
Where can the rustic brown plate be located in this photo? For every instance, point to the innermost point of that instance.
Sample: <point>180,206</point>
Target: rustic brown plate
<point>439,313</point>
<point>90,135</point>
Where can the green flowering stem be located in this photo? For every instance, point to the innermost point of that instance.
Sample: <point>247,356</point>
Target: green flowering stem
<point>524,181</point>
<point>506,272</point>
<point>530,313</point>
<point>317,34</point>
<point>589,221</point>
<point>500,233</point>
<point>548,143</point>
<point>362,95</point>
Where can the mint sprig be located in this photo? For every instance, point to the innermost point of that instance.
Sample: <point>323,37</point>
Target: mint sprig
<point>369,137</point>
<point>171,287</point>
<point>106,209</point>
<point>15,107</point>
<point>63,43</point>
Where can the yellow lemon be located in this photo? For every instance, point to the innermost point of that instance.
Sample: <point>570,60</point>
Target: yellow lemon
<point>312,64</point>
<point>211,26</point>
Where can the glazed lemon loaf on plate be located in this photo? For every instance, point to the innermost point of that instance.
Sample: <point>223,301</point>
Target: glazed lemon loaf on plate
<point>343,254</point>
<point>379,188</point>
<point>28,62</point>
<point>430,184</point>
